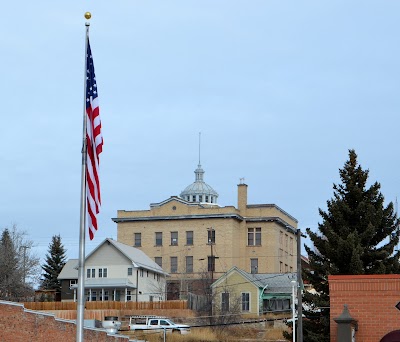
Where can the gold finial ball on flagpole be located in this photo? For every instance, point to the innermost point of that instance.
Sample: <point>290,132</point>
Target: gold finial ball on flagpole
<point>88,15</point>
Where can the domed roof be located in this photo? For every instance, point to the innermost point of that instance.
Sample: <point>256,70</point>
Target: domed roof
<point>199,191</point>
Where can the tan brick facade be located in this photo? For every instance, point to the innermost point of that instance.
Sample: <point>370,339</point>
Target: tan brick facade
<point>271,248</point>
<point>371,300</point>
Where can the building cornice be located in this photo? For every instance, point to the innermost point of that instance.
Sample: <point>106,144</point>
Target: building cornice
<point>233,216</point>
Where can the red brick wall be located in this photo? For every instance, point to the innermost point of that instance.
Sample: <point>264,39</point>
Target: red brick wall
<point>371,300</point>
<point>20,325</point>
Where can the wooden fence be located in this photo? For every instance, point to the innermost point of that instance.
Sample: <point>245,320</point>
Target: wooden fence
<point>163,305</point>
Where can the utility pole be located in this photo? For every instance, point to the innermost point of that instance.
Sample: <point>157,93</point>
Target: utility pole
<point>299,290</point>
<point>24,261</point>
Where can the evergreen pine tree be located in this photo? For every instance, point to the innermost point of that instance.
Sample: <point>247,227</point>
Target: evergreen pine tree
<point>10,274</point>
<point>55,261</point>
<point>357,235</point>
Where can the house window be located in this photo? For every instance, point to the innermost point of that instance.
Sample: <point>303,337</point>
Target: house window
<point>158,277</point>
<point>138,239</point>
<point>141,272</point>
<point>277,304</point>
<point>106,297</point>
<point>206,198</point>
<point>200,198</point>
<point>73,282</point>
<point>158,238</point>
<point>210,236</point>
<point>93,296</point>
<point>147,274</point>
<point>128,295</point>
<point>130,271</point>
<point>174,264</point>
<point>189,264</point>
<point>91,273</point>
<point>158,261</point>
<point>102,273</point>
<point>245,301</point>
<point>254,236</point>
<point>211,263</point>
<point>225,301</point>
<point>189,238</point>
<point>254,266</point>
<point>174,238</point>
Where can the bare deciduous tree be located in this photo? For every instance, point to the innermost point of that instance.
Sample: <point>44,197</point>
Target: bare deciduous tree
<point>19,266</point>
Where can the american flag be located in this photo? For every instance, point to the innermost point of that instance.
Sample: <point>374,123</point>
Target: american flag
<point>94,141</point>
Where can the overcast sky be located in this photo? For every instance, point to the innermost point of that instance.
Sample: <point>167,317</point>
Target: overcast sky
<point>280,90</point>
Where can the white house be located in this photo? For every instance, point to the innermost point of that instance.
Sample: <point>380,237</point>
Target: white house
<point>115,272</point>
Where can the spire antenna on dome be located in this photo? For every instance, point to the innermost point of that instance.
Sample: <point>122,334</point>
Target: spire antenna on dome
<point>199,146</point>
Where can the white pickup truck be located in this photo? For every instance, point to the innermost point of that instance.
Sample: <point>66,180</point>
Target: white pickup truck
<point>157,323</point>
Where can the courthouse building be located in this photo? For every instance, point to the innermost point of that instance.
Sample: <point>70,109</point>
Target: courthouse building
<point>191,237</point>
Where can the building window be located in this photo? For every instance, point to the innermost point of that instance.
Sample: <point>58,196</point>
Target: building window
<point>174,264</point>
<point>130,271</point>
<point>158,238</point>
<point>291,246</point>
<point>254,236</point>
<point>158,261</point>
<point>210,235</point>
<point>276,304</point>
<point>158,277</point>
<point>200,198</point>
<point>102,273</point>
<point>73,282</point>
<point>106,295</point>
<point>128,295</point>
<point>286,240</point>
<point>189,238</point>
<point>254,266</point>
<point>91,273</point>
<point>141,272</point>
<point>138,239</point>
<point>245,301</point>
<point>225,301</point>
<point>280,267</point>
<point>189,264</point>
<point>281,238</point>
<point>206,198</point>
<point>174,238</point>
<point>93,296</point>
<point>211,263</point>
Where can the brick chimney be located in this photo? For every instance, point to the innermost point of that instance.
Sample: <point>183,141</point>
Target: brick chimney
<point>242,196</point>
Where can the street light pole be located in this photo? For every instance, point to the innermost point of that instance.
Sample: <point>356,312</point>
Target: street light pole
<point>294,284</point>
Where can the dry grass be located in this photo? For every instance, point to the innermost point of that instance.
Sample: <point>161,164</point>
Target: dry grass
<point>226,335</point>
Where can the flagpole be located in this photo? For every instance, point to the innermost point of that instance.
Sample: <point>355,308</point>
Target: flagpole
<point>82,228</point>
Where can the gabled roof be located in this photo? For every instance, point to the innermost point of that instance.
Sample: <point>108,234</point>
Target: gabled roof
<point>138,258</point>
<point>69,270</point>
<point>273,282</point>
